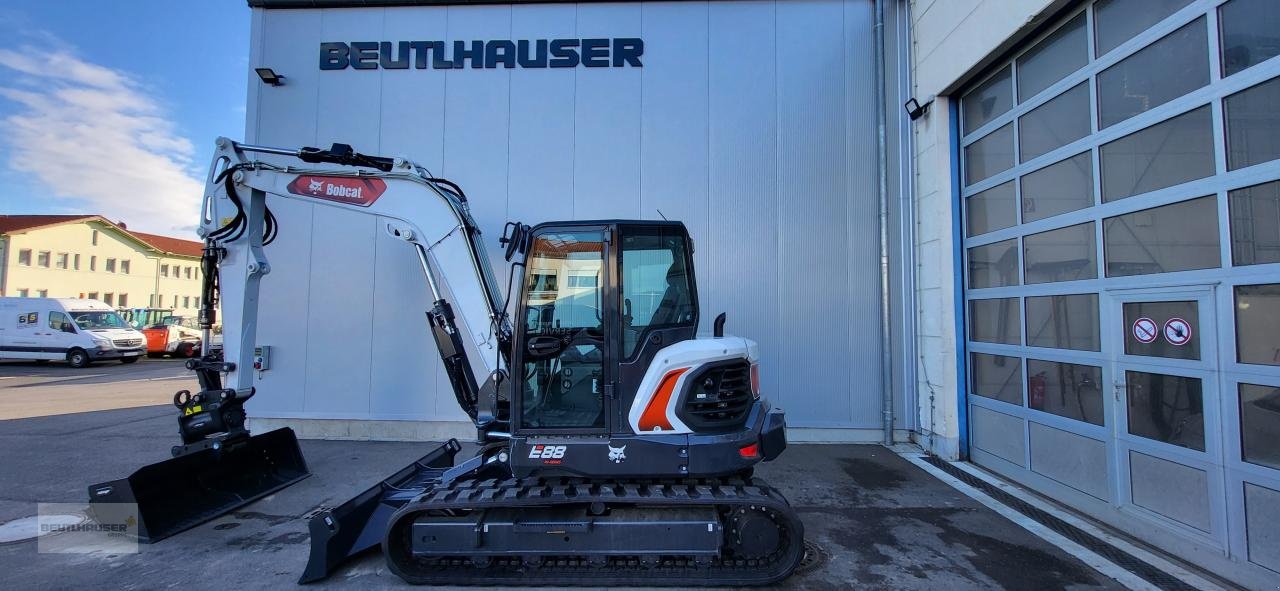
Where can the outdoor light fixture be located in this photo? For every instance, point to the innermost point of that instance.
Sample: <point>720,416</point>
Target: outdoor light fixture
<point>915,110</point>
<point>269,76</point>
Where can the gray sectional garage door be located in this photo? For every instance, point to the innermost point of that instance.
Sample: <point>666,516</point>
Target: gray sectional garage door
<point>1121,184</point>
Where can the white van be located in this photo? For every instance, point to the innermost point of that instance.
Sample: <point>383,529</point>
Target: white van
<point>77,331</point>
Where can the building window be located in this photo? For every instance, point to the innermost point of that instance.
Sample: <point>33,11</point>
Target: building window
<point>22,293</point>
<point>42,259</point>
<point>187,273</point>
<point>997,377</point>
<point>93,263</point>
<point>124,266</point>
<point>991,210</point>
<point>1253,125</point>
<point>108,299</point>
<point>1065,389</point>
<point>1248,33</point>
<point>75,261</point>
<point>1064,322</point>
<point>175,301</point>
<point>994,265</point>
<point>1255,224</point>
<point>1118,21</point>
<point>195,301</point>
<point>990,155</point>
<point>1064,254</point>
<point>111,266</point>
<point>123,300</point>
<point>995,321</point>
<point>62,260</point>
<point>1159,73</point>
<point>186,301</point>
<point>164,270</point>
<point>991,99</point>
<point>1166,408</point>
<point>1259,421</point>
<point>1258,324</point>
<point>1061,53</point>
<point>44,293</point>
<point>24,257</point>
<point>93,295</point>
<point>1166,154</point>
<point>1177,237</point>
<point>94,238</point>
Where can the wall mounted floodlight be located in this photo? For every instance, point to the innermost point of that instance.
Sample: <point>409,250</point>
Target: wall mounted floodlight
<point>915,110</point>
<point>269,76</point>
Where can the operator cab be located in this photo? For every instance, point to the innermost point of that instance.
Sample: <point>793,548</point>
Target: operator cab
<point>599,300</point>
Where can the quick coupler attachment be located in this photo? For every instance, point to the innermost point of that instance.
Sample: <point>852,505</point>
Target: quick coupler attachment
<point>338,533</point>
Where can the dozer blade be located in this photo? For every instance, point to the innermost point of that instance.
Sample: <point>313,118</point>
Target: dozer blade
<point>360,523</point>
<point>185,491</point>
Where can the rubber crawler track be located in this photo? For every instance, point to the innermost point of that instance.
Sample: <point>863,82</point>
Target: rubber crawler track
<point>724,495</point>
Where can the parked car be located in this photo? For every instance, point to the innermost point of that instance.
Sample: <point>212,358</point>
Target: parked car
<point>178,336</point>
<point>75,330</point>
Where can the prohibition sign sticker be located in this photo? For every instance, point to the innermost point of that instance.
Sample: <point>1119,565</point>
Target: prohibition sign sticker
<point>1145,330</point>
<point>1177,331</point>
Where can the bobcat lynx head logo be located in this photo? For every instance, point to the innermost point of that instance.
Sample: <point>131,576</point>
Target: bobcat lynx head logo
<point>617,454</point>
<point>315,186</point>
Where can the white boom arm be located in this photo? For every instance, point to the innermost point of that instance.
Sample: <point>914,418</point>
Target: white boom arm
<point>434,221</point>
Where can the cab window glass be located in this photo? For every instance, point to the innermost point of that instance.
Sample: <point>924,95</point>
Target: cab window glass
<point>59,321</point>
<point>657,290</point>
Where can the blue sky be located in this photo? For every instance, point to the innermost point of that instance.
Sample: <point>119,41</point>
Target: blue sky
<point>112,107</point>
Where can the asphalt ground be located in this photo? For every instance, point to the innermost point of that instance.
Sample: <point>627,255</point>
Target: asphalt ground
<point>882,522</point>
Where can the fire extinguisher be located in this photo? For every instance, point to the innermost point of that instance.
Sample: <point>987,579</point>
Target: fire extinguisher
<point>1035,390</point>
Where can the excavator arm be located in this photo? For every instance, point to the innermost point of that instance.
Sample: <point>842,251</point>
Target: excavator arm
<point>428,214</point>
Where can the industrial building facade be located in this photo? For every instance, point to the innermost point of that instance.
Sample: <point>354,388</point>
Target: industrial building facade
<point>1059,261</point>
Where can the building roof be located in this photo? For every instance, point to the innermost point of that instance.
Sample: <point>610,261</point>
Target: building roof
<point>22,223</point>
<point>162,244</point>
<point>170,245</point>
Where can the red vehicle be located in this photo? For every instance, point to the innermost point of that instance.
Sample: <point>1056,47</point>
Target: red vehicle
<point>173,335</point>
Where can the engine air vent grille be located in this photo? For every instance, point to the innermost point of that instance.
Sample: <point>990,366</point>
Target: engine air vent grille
<point>718,398</point>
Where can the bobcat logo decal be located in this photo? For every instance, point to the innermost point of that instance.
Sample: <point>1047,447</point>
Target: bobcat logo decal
<point>617,454</point>
<point>315,186</point>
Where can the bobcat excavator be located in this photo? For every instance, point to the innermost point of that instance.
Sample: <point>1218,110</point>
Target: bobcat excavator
<point>614,447</point>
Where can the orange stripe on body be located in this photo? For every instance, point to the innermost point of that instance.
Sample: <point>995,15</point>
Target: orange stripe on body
<point>655,414</point>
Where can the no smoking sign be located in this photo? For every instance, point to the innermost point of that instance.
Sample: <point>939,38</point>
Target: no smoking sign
<point>1145,330</point>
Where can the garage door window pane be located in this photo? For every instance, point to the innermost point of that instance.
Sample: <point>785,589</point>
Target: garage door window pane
<point>995,321</point>
<point>1250,33</point>
<point>1064,322</point>
<point>1170,329</point>
<point>1065,254</point>
<point>993,265</point>
<point>1177,237</point>
<point>1260,424</point>
<point>1119,20</point>
<point>1255,224</point>
<point>992,209</point>
<point>990,155</point>
<point>1253,125</point>
<point>1166,154</point>
<point>998,377</point>
<point>1155,75</point>
<point>1058,188</point>
<point>1065,389</point>
<point>1258,324</point>
<point>1061,53</point>
<point>1169,409</point>
<point>989,100</point>
<point>1058,122</point>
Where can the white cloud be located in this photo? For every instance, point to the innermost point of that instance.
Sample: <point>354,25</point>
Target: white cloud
<point>96,136</point>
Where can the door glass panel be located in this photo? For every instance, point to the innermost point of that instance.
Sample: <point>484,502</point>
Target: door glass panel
<point>989,100</point>
<point>1169,409</point>
<point>1065,389</point>
<point>1166,154</point>
<point>1061,53</point>
<point>1162,329</point>
<point>1253,125</point>
<point>1250,33</point>
<point>1255,224</point>
<point>997,377</point>
<point>1179,237</point>
<point>564,333</point>
<point>1119,20</point>
<point>1058,188</point>
<point>995,321</point>
<point>988,156</point>
<point>1065,254</point>
<point>657,290</point>
<point>1155,75</point>
<point>1260,424</point>
<point>993,265</point>
<point>1062,120</point>
<point>1258,324</point>
<point>992,209</point>
<point>1064,322</point>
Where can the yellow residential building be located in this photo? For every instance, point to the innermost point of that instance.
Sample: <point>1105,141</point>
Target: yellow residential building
<point>88,256</point>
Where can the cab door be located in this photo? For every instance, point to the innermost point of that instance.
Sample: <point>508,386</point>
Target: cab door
<point>564,327</point>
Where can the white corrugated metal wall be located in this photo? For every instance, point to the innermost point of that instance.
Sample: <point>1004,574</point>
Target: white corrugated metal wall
<point>753,122</point>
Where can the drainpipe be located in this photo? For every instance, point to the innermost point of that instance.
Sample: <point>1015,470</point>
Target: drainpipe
<point>882,194</point>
